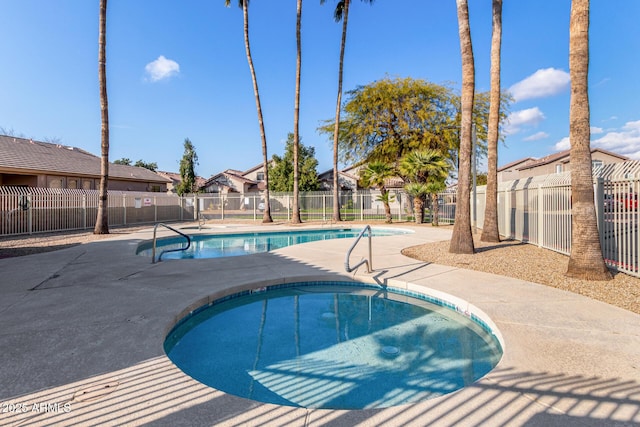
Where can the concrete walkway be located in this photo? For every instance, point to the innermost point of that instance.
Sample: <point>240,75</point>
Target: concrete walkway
<point>82,334</point>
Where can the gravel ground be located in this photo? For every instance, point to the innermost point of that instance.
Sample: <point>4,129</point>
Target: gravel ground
<point>529,262</point>
<point>508,258</point>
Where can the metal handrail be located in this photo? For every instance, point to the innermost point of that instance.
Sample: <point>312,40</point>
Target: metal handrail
<point>153,251</point>
<point>364,261</point>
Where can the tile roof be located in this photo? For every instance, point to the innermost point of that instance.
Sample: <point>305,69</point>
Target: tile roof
<point>564,156</point>
<point>27,155</point>
<point>516,163</point>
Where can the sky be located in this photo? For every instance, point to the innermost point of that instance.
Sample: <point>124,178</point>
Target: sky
<point>178,69</point>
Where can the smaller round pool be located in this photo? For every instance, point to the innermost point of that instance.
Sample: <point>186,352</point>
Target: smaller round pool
<point>224,245</point>
<point>333,345</point>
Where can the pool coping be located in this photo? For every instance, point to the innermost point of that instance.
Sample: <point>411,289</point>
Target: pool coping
<point>566,358</point>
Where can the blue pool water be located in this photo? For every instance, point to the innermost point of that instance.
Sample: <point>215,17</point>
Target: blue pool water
<point>335,346</point>
<point>223,245</point>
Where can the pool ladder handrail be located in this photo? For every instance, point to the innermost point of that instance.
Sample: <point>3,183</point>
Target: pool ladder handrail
<point>366,261</point>
<point>153,250</point>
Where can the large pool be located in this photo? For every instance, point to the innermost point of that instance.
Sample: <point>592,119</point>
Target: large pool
<point>224,245</point>
<point>333,345</point>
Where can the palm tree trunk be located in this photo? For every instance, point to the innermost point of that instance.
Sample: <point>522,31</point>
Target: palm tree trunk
<point>418,209</point>
<point>336,181</point>
<point>265,159</point>
<point>296,120</point>
<point>462,239</point>
<point>102,220</point>
<point>585,260</point>
<point>434,210</point>
<point>490,231</point>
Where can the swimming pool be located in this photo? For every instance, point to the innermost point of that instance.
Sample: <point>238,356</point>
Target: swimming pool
<point>224,245</point>
<point>333,345</point>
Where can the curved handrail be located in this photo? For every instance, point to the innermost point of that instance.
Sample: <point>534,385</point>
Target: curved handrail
<point>364,261</point>
<point>153,250</point>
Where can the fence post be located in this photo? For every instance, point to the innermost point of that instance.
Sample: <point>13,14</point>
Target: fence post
<point>221,207</point>
<point>30,213</point>
<point>507,211</point>
<point>361,196</point>
<point>84,210</point>
<point>598,191</point>
<point>324,207</point>
<point>196,207</point>
<point>540,214</point>
<point>155,209</point>
<point>124,208</point>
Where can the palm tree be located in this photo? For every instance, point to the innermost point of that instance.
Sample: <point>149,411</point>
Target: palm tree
<point>418,191</point>
<point>462,239</point>
<point>490,232</point>
<point>296,120</point>
<point>585,260</point>
<point>102,220</point>
<point>341,13</point>
<point>424,167</point>
<point>433,188</point>
<point>375,174</point>
<point>244,4</point>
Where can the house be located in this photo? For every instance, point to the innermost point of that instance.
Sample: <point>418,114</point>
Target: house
<point>232,181</point>
<point>555,163</point>
<point>509,172</point>
<point>176,179</point>
<point>349,179</point>
<point>29,163</point>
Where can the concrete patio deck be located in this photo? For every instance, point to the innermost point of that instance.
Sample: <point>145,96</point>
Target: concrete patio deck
<point>83,329</point>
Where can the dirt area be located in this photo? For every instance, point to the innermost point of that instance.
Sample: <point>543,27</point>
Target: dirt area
<point>508,258</point>
<point>529,262</point>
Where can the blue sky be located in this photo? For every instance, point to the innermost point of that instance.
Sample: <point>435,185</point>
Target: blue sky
<point>178,69</point>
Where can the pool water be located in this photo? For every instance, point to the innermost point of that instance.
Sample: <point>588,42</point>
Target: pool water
<point>224,245</point>
<point>336,346</point>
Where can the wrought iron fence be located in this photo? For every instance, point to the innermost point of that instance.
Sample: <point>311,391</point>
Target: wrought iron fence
<point>533,210</point>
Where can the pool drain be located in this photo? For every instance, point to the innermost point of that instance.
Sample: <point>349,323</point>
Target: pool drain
<point>390,350</point>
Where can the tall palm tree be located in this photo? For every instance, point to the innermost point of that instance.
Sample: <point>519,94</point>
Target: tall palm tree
<point>375,174</point>
<point>102,220</point>
<point>585,260</point>
<point>490,231</point>
<point>244,4</point>
<point>296,120</point>
<point>462,239</point>
<point>341,13</point>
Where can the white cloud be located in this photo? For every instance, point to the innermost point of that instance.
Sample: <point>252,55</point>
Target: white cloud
<point>161,68</point>
<point>596,130</point>
<point>562,145</point>
<point>537,136</point>
<point>528,117</point>
<point>625,141</point>
<point>542,83</point>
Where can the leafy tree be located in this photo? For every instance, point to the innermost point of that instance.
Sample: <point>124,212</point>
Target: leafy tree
<point>187,169</point>
<point>375,174</point>
<point>123,161</point>
<point>281,168</point>
<point>490,232</point>
<point>151,166</point>
<point>244,4</point>
<point>341,13</point>
<point>461,238</point>
<point>388,118</point>
<point>585,260</point>
<point>102,219</point>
